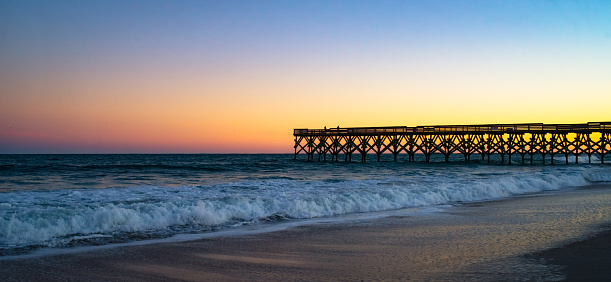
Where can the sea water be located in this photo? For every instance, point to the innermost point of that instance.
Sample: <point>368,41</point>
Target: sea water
<point>68,201</point>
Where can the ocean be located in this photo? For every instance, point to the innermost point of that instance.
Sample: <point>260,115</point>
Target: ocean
<point>72,201</point>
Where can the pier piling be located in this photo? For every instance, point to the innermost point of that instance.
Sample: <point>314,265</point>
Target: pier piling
<point>533,139</point>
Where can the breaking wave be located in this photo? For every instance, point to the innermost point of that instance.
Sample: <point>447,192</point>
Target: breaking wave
<point>70,217</point>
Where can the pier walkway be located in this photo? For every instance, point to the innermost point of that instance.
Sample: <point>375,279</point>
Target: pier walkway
<point>505,139</point>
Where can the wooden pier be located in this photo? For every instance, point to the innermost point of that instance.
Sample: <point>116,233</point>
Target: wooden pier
<point>592,138</point>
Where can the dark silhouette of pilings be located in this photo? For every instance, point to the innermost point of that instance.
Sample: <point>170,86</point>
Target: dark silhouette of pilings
<point>507,140</point>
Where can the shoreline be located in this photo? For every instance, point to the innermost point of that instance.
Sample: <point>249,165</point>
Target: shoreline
<point>532,237</point>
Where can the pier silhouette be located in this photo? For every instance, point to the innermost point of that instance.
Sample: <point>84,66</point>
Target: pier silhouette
<point>592,138</point>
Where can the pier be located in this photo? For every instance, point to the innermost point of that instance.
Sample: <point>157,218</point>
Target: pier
<point>507,140</point>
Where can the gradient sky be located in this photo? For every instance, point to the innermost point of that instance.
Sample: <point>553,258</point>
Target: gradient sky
<point>238,76</point>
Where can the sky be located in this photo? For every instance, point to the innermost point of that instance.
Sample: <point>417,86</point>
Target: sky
<point>238,76</point>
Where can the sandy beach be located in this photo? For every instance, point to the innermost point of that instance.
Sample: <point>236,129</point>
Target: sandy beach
<point>545,237</point>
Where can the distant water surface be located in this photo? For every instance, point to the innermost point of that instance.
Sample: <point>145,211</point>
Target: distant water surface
<point>66,201</point>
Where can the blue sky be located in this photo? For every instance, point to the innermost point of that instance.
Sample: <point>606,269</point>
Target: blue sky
<point>68,69</point>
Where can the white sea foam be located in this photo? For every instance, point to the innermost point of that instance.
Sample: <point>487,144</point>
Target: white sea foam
<point>598,176</point>
<point>58,217</point>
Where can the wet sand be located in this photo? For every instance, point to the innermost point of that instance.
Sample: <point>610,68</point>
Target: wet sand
<point>536,237</point>
<point>586,260</point>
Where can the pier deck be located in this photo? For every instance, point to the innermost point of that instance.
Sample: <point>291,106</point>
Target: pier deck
<point>504,139</point>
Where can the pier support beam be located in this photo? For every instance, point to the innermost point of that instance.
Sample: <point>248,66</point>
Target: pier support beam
<point>487,140</point>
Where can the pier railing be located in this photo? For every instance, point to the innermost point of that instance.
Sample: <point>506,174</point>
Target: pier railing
<point>482,128</point>
<point>485,139</point>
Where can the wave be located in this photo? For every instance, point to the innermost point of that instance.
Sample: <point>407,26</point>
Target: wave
<point>582,158</point>
<point>115,167</point>
<point>62,218</point>
<point>597,176</point>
